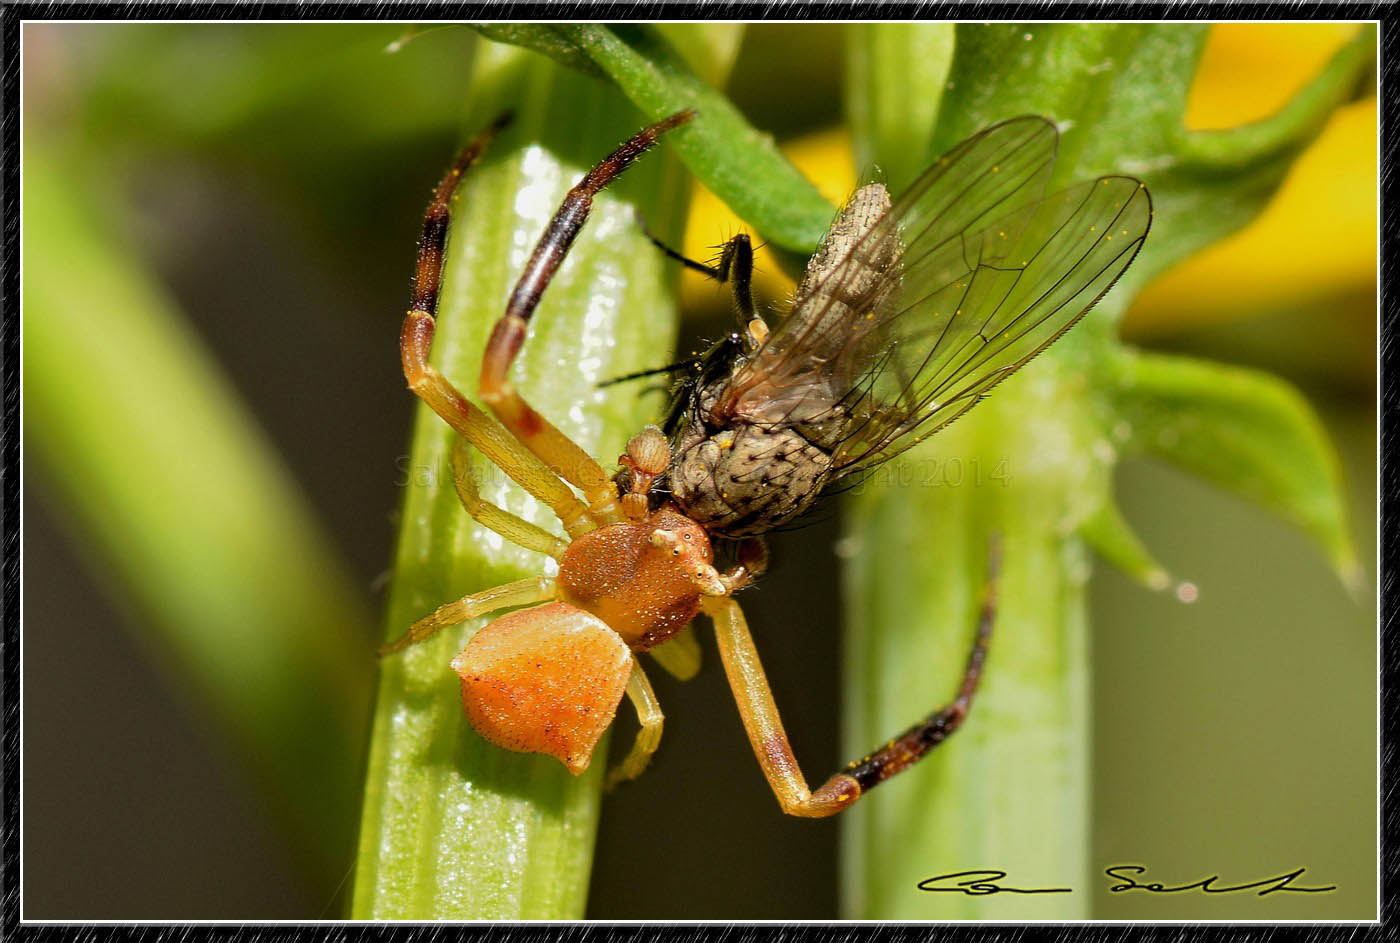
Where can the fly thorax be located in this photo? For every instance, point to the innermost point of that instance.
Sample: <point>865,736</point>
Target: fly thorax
<point>747,479</point>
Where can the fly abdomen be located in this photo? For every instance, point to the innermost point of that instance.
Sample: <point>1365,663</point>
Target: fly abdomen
<point>748,479</point>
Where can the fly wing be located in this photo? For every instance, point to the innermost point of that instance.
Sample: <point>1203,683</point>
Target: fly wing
<point>970,274</point>
<point>965,320</point>
<point>841,312</point>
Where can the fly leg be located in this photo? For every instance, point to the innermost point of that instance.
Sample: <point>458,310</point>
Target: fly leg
<point>537,434</point>
<point>770,742</point>
<point>734,268</point>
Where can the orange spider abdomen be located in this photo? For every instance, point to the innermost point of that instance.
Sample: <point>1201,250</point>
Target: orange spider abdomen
<point>544,680</point>
<point>646,590</point>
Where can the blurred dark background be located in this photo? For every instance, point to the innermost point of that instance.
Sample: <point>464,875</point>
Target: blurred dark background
<point>286,235</point>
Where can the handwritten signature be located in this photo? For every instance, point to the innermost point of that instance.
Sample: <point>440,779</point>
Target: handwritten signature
<point>979,883</point>
<point>1267,886</point>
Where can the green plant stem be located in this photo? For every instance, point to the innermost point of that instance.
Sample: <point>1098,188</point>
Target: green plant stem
<point>1011,788</point>
<point>453,827</point>
<point>909,62</point>
<point>1016,794</point>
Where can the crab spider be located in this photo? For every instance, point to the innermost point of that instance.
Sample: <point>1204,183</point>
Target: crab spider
<point>633,572</point>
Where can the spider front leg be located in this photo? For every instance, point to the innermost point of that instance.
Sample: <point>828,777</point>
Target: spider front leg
<point>540,436</point>
<point>515,529</point>
<point>770,742</point>
<point>416,341</point>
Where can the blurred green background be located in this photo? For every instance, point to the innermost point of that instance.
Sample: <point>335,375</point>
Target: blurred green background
<point>262,185</point>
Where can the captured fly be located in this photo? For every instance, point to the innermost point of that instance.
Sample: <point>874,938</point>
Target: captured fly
<point>909,312</point>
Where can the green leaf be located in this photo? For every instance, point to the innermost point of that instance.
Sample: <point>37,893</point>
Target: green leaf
<point>167,484</point>
<point>1244,430</point>
<point>710,48</point>
<point>1113,538</point>
<point>1237,151</point>
<point>740,164</point>
<point>454,827</point>
<point>1119,92</point>
<point>1116,90</point>
<point>544,39</point>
